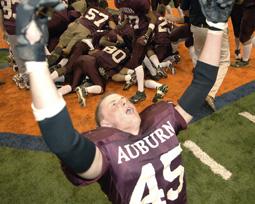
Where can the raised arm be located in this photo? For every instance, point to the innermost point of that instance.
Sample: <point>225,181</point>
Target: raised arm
<point>216,13</point>
<point>49,108</point>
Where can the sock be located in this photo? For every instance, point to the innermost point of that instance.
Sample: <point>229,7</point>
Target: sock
<point>180,11</point>
<point>140,78</point>
<point>193,55</point>
<point>253,41</point>
<point>65,90</point>
<point>130,71</point>
<point>95,89</point>
<point>63,62</point>
<point>151,84</point>
<point>54,75</point>
<point>247,52</point>
<point>154,60</point>
<point>167,63</point>
<point>149,66</point>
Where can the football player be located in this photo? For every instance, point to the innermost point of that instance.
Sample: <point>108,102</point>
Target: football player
<point>7,25</point>
<point>243,20</point>
<point>140,16</point>
<point>136,158</point>
<point>95,18</point>
<point>60,20</point>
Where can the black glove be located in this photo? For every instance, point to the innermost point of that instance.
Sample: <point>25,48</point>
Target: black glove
<point>216,11</point>
<point>32,29</point>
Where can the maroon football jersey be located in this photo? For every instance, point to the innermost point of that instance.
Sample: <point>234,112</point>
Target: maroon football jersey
<point>142,169</point>
<point>111,57</point>
<point>162,30</point>
<point>136,12</point>
<point>9,15</point>
<point>95,19</point>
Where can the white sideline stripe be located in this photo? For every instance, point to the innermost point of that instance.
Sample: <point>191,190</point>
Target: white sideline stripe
<point>248,116</point>
<point>215,167</point>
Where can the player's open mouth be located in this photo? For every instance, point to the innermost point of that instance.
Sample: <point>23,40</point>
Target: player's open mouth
<point>129,110</point>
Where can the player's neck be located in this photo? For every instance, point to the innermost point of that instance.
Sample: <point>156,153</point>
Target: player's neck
<point>132,130</point>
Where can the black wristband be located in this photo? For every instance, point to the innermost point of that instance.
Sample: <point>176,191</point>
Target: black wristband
<point>75,151</point>
<point>203,80</point>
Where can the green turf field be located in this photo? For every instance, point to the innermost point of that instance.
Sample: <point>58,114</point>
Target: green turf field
<point>230,140</point>
<point>3,58</point>
<point>35,177</point>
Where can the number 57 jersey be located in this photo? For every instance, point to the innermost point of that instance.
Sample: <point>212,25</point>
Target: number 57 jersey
<point>95,19</point>
<point>146,168</point>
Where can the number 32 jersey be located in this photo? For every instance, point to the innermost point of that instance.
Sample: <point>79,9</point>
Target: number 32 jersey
<point>142,169</point>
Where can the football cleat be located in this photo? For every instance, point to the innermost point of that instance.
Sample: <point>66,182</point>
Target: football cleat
<point>161,92</point>
<point>139,96</point>
<point>10,59</point>
<point>210,101</point>
<point>130,83</point>
<point>161,72</point>
<point>156,77</point>
<point>240,63</point>
<point>171,67</point>
<point>81,94</point>
<point>16,78</point>
<point>15,68</point>
<point>173,70</point>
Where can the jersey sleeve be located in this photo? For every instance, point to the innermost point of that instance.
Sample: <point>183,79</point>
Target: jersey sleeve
<point>79,181</point>
<point>75,179</point>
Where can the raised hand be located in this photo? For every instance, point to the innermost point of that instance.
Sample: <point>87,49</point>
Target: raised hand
<point>216,11</point>
<point>32,29</point>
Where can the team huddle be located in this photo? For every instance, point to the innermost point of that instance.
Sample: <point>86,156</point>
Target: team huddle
<point>90,46</point>
<point>135,157</point>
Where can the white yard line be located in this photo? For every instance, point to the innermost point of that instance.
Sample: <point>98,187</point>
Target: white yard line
<point>248,115</point>
<point>215,167</point>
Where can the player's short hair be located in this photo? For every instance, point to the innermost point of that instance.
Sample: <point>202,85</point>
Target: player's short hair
<point>98,113</point>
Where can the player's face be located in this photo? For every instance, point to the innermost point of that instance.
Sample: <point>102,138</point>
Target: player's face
<point>119,113</point>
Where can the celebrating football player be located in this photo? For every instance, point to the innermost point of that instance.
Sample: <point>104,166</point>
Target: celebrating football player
<point>136,158</point>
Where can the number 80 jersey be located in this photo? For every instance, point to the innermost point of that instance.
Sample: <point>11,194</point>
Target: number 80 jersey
<point>146,168</point>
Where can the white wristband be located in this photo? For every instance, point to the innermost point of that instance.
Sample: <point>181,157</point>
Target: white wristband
<point>41,114</point>
<point>35,66</point>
